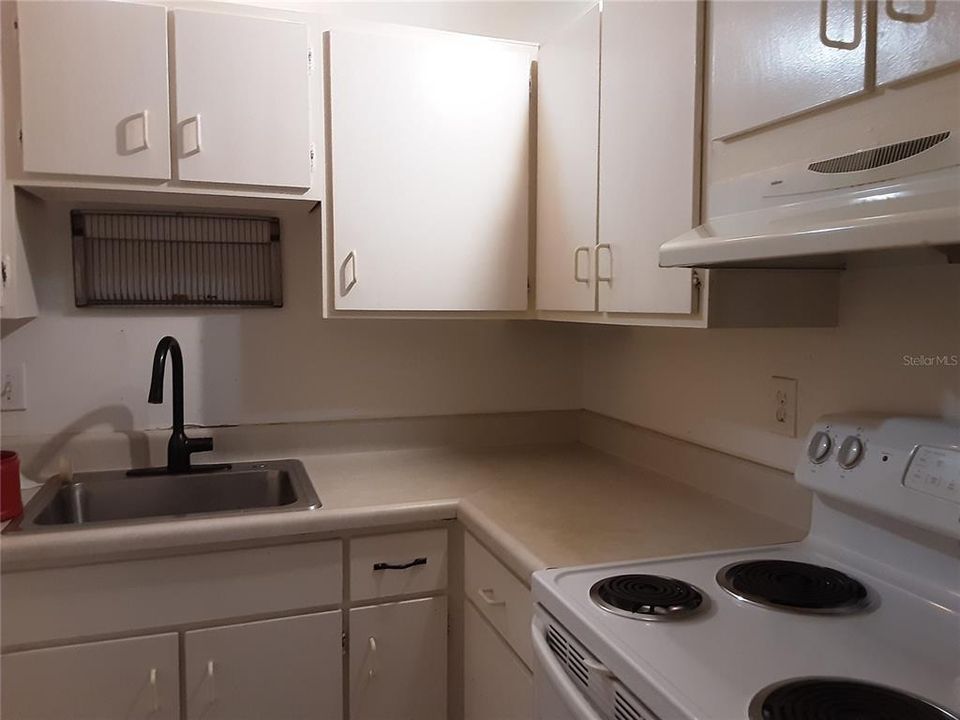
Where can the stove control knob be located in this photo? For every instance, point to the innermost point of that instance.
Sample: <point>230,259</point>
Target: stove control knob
<point>819,448</point>
<point>851,450</point>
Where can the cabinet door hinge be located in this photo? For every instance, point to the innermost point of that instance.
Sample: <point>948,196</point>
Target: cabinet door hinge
<point>309,60</point>
<point>313,156</point>
<point>20,136</point>
<point>343,643</point>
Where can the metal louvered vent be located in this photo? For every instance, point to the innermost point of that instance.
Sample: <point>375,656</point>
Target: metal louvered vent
<point>568,655</point>
<point>132,258</point>
<point>625,708</point>
<point>877,157</point>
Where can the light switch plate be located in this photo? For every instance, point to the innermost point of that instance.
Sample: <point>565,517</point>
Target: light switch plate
<point>783,406</point>
<point>13,388</point>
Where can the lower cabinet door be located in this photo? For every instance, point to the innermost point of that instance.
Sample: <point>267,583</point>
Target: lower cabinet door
<point>497,685</point>
<point>286,668</point>
<point>398,661</point>
<point>130,679</point>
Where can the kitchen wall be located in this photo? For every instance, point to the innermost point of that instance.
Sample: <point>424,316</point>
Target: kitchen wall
<point>90,368</point>
<point>713,387</point>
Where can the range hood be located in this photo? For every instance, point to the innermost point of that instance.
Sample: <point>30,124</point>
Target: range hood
<point>814,214</point>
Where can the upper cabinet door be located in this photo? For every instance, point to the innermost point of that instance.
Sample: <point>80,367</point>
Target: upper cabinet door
<point>428,152</point>
<point>93,87</point>
<point>773,60</point>
<point>648,161</point>
<point>568,82</point>
<point>915,36</point>
<point>242,100</point>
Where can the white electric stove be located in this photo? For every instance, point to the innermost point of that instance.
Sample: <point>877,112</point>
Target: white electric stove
<point>859,621</point>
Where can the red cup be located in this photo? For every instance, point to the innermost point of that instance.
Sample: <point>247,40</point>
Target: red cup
<point>11,503</point>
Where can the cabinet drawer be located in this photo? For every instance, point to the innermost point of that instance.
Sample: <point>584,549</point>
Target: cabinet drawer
<point>495,683</point>
<point>499,596</point>
<point>398,564</point>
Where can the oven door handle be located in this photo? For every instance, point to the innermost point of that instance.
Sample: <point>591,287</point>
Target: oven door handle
<point>572,698</point>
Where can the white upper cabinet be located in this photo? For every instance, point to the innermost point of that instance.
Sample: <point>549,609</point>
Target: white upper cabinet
<point>773,60</point>
<point>568,81</point>
<point>915,36</point>
<point>93,86</point>
<point>428,152</point>
<point>242,99</point>
<point>649,172</point>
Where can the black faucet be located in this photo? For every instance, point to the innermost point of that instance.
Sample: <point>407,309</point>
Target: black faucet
<point>180,446</point>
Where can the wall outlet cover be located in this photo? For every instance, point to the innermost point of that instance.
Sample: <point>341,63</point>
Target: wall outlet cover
<point>783,406</point>
<point>13,388</point>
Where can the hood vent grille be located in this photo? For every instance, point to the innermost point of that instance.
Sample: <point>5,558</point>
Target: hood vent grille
<point>568,655</point>
<point>878,157</point>
<point>626,709</point>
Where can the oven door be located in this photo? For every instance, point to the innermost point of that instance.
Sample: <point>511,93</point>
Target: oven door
<point>556,697</point>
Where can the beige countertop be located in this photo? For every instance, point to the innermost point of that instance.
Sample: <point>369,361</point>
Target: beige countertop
<point>535,507</point>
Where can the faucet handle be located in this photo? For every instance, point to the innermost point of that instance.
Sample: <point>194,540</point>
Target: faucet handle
<point>199,444</point>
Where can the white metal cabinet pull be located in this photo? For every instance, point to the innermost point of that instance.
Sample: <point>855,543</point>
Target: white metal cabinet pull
<point>576,264</point>
<point>825,38</point>
<point>372,642</point>
<point>349,261</point>
<point>154,690</point>
<point>197,144</point>
<point>600,277</point>
<point>487,595</point>
<point>906,16</point>
<point>131,142</point>
<point>211,678</point>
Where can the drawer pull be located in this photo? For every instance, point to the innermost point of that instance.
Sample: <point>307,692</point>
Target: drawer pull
<point>486,594</point>
<point>155,690</point>
<point>401,566</point>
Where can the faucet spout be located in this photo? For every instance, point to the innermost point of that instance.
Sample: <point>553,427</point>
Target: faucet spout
<point>180,446</point>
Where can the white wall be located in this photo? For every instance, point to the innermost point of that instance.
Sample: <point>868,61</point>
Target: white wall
<point>712,387</point>
<point>90,368</point>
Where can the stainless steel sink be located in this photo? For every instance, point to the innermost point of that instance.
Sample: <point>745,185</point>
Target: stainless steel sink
<point>113,497</point>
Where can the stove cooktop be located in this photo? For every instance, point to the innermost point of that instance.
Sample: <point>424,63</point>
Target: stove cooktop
<point>713,662</point>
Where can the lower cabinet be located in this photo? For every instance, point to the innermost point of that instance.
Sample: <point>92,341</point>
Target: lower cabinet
<point>497,685</point>
<point>398,661</point>
<point>129,679</point>
<point>286,668</point>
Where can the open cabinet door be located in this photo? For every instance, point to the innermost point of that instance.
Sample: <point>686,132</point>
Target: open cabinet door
<point>428,152</point>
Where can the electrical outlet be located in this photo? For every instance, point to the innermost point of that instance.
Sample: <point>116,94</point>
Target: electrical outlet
<point>13,388</point>
<point>783,411</point>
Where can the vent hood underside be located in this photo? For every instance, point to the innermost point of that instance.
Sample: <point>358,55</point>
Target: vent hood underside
<point>797,217</point>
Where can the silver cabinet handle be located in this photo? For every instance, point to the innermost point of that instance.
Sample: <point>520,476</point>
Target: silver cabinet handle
<point>929,6</point>
<point>211,678</point>
<point>600,277</point>
<point>372,643</point>
<point>576,264</point>
<point>349,261</point>
<point>197,144</point>
<point>825,38</point>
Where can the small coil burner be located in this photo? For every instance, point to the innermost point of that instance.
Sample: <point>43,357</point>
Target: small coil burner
<point>838,699</point>
<point>796,586</point>
<point>646,597</point>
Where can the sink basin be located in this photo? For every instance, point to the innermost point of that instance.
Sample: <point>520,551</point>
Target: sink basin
<point>113,497</point>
